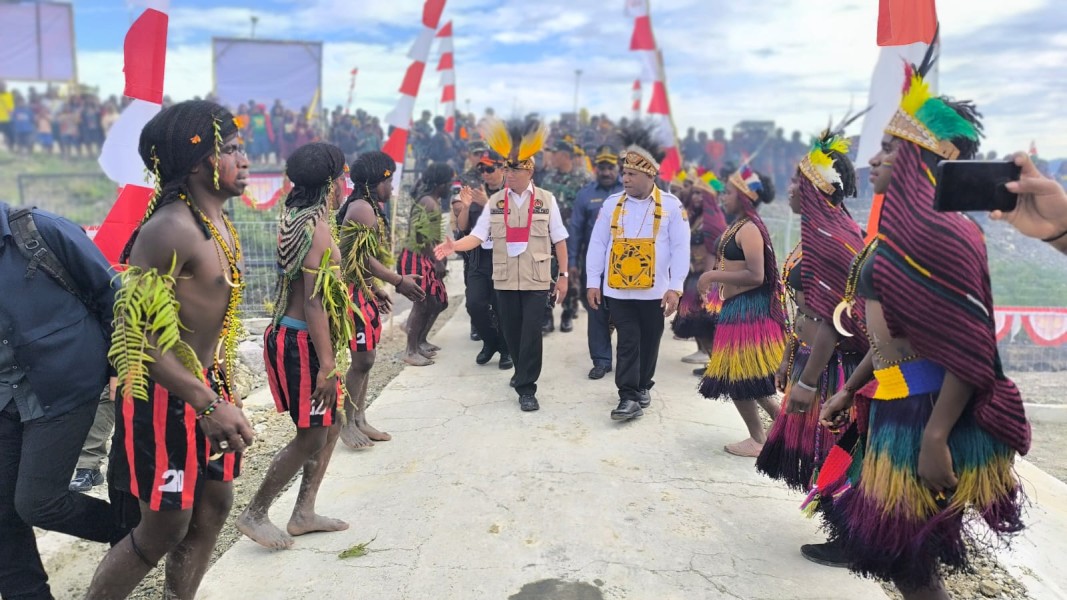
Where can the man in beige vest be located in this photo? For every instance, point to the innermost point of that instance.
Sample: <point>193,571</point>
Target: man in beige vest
<point>524,224</point>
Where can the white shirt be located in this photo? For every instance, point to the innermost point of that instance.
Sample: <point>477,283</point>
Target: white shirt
<point>557,231</point>
<point>672,244</point>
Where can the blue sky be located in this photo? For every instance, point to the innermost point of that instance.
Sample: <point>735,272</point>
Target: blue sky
<point>792,61</point>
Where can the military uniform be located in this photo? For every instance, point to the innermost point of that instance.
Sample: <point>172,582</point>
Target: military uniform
<point>565,187</point>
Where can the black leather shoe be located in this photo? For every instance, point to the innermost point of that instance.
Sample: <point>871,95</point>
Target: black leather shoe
<point>485,355</point>
<point>627,409</point>
<point>598,372</point>
<point>505,361</point>
<point>549,326</point>
<point>512,381</point>
<point>566,325</point>
<point>828,554</point>
<point>644,398</point>
<point>528,403</point>
<point>474,335</point>
<point>85,480</point>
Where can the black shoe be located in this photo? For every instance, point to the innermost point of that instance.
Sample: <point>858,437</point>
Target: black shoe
<point>644,398</point>
<point>485,355</point>
<point>528,403</point>
<point>474,335</point>
<point>548,327</point>
<point>627,409</point>
<point>699,371</point>
<point>512,381</point>
<point>85,480</point>
<point>505,361</point>
<point>566,325</point>
<point>828,554</point>
<point>598,372</point>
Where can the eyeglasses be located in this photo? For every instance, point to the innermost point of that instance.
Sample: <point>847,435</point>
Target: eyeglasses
<point>487,170</point>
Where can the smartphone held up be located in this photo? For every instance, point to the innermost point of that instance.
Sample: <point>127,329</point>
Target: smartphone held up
<point>975,186</point>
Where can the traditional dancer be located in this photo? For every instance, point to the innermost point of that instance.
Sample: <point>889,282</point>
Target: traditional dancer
<point>586,208</point>
<point>750,330</point>
<point>424,232</point>
<point>481,298</point>
<point>640,255</point>
<point>818,360</point>
<point>178,304</point>
<point>697,312</point>
<point>944,424</point>
<point>367,258</point>
<point>305,347</point>
<point>525,225</point>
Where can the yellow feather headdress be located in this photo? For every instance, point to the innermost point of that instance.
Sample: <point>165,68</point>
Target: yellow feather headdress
<point>518,142</point>
<point>818,164</point>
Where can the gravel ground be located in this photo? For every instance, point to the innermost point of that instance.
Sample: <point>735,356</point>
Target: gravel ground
<point>71,563</point>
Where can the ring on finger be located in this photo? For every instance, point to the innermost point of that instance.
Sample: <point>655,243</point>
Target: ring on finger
<point>224,445</point>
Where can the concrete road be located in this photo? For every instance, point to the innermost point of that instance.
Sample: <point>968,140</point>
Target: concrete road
<point>475,499</point>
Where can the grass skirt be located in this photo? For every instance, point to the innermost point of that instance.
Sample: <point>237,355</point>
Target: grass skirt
<point>746,350</point>
<point>797,443</point>
<point>892,525</point>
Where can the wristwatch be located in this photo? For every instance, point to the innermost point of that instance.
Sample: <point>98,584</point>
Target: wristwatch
<point>564,274</point>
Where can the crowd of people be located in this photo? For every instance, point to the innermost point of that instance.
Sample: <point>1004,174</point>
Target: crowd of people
<point>897,419</point>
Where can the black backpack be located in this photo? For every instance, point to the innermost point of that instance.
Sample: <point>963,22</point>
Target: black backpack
<point>32,246</point>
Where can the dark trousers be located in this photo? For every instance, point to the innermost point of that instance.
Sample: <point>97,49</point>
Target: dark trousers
<point>37,459</point>
<point>481,299</point>
<point>598,332</point>
<point>521,315</point>
<point>639,325</point>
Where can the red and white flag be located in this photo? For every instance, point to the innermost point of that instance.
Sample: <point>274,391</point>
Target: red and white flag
<point>447,68</point>
<point>643,42</point>
<point>637,99</point>
<point>145,52</point>
<point>904,22</point>
<point>400,117</point>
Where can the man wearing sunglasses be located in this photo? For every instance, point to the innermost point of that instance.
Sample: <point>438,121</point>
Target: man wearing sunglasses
<point>481,297</point>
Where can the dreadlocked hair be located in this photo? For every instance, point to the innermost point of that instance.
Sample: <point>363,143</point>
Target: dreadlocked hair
<point>367,171</point>
<point>642,134</point>
<point>172,144</point>
<point>844,167</point>
<point>435,175</point>
<point>313,168</point>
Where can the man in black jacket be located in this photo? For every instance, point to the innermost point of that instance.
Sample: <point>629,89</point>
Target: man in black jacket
<point>53,364</point>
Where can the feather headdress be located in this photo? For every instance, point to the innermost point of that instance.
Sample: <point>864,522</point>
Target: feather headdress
<point>707,182</point>
<point>643,153</point>
<point>517,141</point>
<point>927,120</point>
<point>818,164</point>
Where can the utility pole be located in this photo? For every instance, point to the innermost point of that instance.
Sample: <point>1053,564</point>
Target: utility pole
<point>255,20</point>
<point>577,81</point>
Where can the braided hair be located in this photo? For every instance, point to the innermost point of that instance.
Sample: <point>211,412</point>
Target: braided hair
<point>172,144</point>
<point>367,171</point>
<point>435,175</point>
<point>313,168</point>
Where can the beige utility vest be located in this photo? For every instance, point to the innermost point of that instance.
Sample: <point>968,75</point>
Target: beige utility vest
<point>531,270</point>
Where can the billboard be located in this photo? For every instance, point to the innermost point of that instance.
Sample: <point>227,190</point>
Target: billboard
<point>38,42</point>
<point>265,71</point>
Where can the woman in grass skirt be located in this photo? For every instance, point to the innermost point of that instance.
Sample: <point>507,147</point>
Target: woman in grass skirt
<point>944,424</point>
<point>750,329</point>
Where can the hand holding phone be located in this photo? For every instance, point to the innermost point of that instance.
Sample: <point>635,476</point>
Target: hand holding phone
<point>975,185</point>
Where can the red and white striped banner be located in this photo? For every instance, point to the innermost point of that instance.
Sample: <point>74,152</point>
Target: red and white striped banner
<point>447,69</point>
<point>145,52</point>
<point>659,111</point>
<point>1044,326</point>
<point>400,117</point>
<point>637,99</point>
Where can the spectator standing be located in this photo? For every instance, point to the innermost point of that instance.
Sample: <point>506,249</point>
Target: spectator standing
<point>7,106</point>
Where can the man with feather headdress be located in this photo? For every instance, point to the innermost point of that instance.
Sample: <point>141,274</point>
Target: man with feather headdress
<point>639,253</point>
<point>525,223</point>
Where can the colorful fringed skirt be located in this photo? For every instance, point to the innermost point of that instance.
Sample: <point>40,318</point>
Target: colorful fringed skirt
<point>693,319</point>
<point>797,443</point>
<point>893,526</point>
<point>746,350</point>
<point>414,263</point>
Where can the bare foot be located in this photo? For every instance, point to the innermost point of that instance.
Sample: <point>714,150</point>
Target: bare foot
<point>353,437</point>
<point>372,433</point>
<point>263,532</point>
<point>301,525</point>
<point>749,448</point>
<point>417,360</point>
<point>427,353</point>
<point>429,347</point>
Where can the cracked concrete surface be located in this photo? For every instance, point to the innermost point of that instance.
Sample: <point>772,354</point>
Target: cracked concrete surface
<point>475,499</point>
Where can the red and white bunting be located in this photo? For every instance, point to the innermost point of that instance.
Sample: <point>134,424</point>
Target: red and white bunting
<point>400,117</point>
<point>447,69</point>
<point>351,91</point>
<point>643,41</point>
<point>637,99</point>
<point>1044,326</point>
<point>145,51</point>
